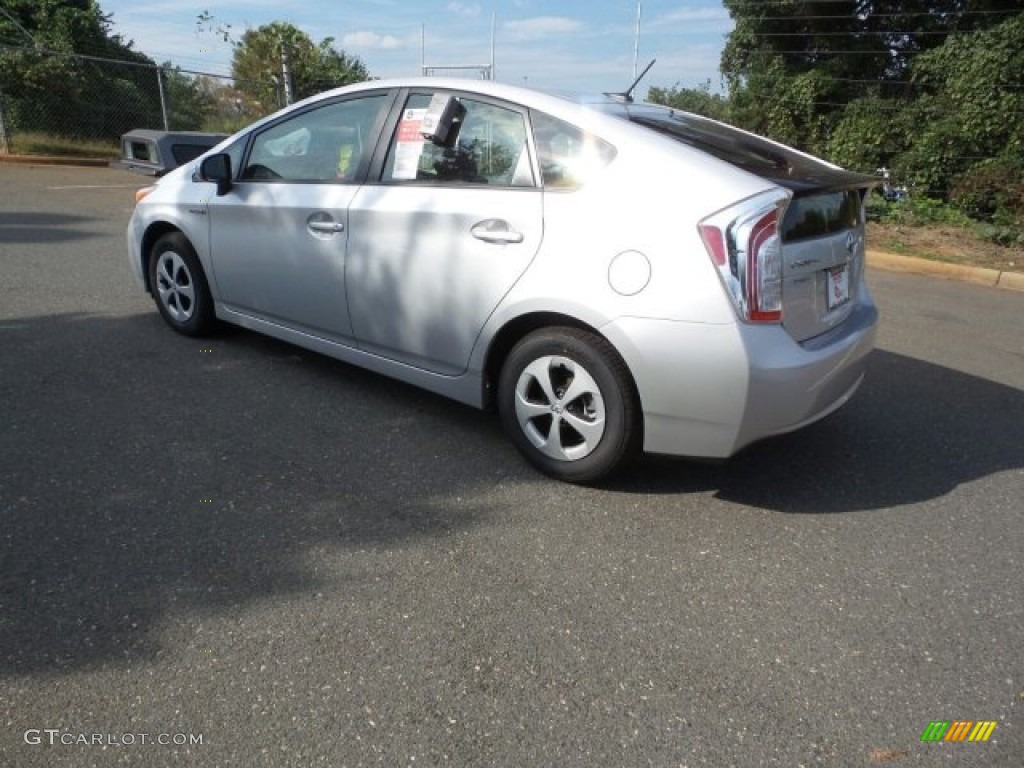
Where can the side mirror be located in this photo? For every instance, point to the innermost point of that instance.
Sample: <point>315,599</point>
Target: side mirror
<point>217,168</point>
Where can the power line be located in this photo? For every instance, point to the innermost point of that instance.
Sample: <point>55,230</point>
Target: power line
<point>913,83</point>
<point>756,3</point>
<point>865,32</point>
<point>889,50</point>
<point>869,16</point>
<point>20,28</point>
<point>886,107</point>
<point>106,60</point>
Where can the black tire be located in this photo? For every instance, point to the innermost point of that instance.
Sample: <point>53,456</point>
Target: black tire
<point>568,403</point>
<point>179,286</point>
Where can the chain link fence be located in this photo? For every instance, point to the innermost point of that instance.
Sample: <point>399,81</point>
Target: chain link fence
<point>48,99</point>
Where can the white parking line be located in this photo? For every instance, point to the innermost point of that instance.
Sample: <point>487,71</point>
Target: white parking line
<point>98,186</point>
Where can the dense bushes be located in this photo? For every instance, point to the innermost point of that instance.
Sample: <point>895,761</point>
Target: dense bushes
<point>942,107</point>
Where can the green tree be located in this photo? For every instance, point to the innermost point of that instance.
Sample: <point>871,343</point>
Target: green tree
<point>699,101</point>
<point>49,89</point>
<point>258,64</point>
<point>870,133</point>
<point>190,102</point>
<point>793,66</point>
<point>969,115</point>
<point>782,65</point>
<point>931,89</point>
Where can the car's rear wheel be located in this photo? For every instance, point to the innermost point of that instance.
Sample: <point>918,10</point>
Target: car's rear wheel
<point>568,403</point>
<point>179,285</point>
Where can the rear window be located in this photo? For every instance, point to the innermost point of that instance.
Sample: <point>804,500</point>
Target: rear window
<point>722,141</point>
<point>779,164</point>
<point>821,215</point>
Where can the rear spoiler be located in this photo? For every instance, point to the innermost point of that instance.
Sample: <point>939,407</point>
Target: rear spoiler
<point>828,180</point>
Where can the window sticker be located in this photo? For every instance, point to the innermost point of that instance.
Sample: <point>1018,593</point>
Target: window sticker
<point>410,145</point>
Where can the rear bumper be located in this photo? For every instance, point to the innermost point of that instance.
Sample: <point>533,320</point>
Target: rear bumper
<point>710,390</point>
<point>793,385</point>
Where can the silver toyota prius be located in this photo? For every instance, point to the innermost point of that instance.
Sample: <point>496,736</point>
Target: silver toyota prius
<point>612,276</point>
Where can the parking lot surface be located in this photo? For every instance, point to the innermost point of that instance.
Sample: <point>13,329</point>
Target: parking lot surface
<point>230,552</point>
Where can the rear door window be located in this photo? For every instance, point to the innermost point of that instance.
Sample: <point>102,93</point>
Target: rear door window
<point>486,146</point>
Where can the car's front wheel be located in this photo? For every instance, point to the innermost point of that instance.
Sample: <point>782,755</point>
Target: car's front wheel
<point>567,401</point>
<point>179,285</point>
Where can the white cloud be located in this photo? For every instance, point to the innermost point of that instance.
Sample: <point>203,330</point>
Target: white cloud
<point>464,9</point>
<point>689,68</point>
<point>694,14</point>
<point>371,40</point>
<point>541,26</point>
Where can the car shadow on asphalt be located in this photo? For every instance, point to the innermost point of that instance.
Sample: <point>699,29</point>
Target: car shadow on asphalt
<point>146,474</point>
<point>24,227</point>
<point>914,431</point>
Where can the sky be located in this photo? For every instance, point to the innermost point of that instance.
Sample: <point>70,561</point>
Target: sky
<point>578,45</point>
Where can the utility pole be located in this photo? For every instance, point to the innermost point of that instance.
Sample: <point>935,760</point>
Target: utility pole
<point>5,147</point>
<point>163,97</point>
<point>286,75</point>
<point>636,39</point>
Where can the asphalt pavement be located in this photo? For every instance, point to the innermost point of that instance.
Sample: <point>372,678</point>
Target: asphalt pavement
<point>231,552</point>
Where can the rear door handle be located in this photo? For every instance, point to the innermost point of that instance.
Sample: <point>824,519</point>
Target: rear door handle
<point>495,231</point>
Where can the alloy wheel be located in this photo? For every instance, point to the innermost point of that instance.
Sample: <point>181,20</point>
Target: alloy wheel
<point>175,286</point>
<point>560,408</point>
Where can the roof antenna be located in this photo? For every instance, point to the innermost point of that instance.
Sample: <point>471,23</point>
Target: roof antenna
<point>627,95</point>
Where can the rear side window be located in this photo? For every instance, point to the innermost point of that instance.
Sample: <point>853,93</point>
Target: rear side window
<point>487,146</point>
<point>820,215</point>
<point>568,156</point>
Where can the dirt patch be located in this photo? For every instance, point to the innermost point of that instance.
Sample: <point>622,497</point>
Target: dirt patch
<point>888,755</point>
<point>941,243</point>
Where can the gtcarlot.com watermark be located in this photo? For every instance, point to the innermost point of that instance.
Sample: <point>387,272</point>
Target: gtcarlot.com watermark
<point>56,736</point>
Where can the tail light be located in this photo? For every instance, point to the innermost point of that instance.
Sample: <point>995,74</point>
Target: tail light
<point>745,246</point>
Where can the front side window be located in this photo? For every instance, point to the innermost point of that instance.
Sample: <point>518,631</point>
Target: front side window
<point>485,145</point>
<point>329,143</point>
<point>235,152</point>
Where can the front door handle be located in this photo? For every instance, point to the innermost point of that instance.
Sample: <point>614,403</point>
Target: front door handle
<point>495,231</point>
<point>327,227</point>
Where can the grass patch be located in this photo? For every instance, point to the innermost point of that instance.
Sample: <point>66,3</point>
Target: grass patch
<point>58,146</point>
<point>938,242</point>
<point>932,230</point>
